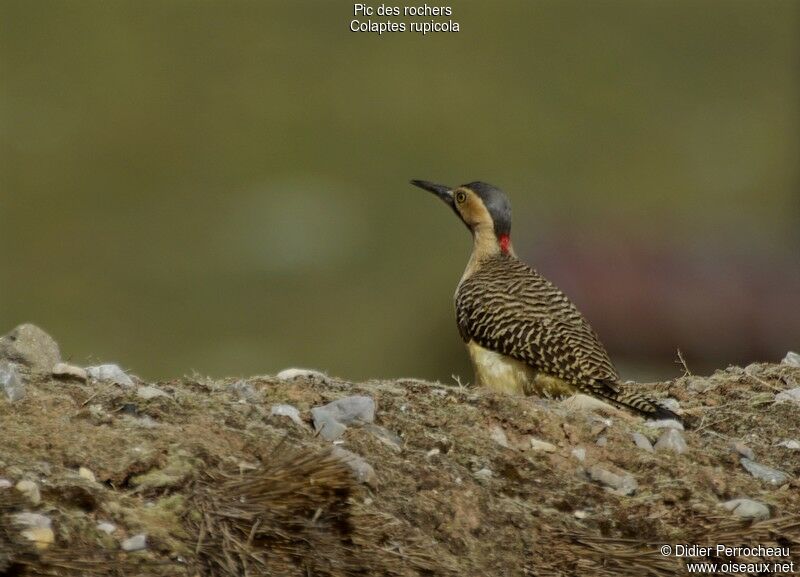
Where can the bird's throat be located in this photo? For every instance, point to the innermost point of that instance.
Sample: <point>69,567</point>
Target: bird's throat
<point>504,240</point>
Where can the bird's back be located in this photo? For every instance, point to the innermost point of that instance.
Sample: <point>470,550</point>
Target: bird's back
<point>507,307</point>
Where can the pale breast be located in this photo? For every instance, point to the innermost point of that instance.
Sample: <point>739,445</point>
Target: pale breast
<point>508,375</point>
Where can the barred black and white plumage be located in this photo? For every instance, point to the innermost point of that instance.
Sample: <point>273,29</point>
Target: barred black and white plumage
<point>522,333</point>
<point>507,307</point>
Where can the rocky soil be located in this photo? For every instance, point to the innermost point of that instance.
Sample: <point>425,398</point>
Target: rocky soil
<point>301,474</point>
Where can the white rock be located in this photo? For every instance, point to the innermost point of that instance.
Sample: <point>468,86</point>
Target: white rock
<point>671,440</point>
<point>30,490</point>
<point>245,391</point>
<point>106,527</point>
<point>86,474</point>
<point>144,422</point>
<point>579,453</point>
<point>484,474</point>
<point>622,484</point>
<point>363,471</point>
<point>580,514</point>
<point>789,396</point>
<point>287,411</point>
<point>790,444</point>
<point>389,438</point>
<point>135,543</point>
<point>601,441</point>
<point>747,509</point>
<point>67,371</point>
<point>642,442</point>
<point>768,474</point>
<point>31,520</point>
<point>5,484</point>
<point>665,424</point>
<point>10,382</point>
<point>433,452</point>
<point>357,409</point>
<point>331,420</point>
<point>149,392</point>
<point>31,347</point>
<point>498,435</point>
<point>327,426</point>
<point>37,528</point>
<point>792,359</point>
<point>538,445</point>
<point>110,373</point>
<point>671,404</point>
<point>698,385</point>
<point>292,374</point>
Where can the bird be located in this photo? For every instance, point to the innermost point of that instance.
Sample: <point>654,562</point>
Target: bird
<point>523,335</point>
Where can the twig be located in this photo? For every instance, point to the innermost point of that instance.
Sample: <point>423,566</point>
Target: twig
<point>686,371</point>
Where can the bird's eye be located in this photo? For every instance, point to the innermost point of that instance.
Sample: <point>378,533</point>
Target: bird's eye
<point>460,197</point>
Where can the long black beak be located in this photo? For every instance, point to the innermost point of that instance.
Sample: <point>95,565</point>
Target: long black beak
<point>439,190</point>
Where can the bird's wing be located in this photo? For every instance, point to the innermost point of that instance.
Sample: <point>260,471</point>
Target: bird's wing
<point>508,307</point>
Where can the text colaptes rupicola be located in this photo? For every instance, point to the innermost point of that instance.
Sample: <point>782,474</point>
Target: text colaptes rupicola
<point>523,335</point>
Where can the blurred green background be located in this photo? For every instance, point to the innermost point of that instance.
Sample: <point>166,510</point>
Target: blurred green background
<point>222,186</point>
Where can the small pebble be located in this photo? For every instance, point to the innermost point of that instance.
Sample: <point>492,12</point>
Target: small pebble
<point>671,404</point>
<point>671,440</point>
<point>30,346</point>
<point>86,474</point>
<point>244,391</point>
<point>363,471</point>
<point>538,445</point>
<point>10,382</point>
<point>30,490</point>
<point>747,509</point>
<point>110,373</point>
<point>484,474</point>
<point>698,385</point>
<point>621,484</point>
<point>602,441</point>
<point>331,420</point>
<point>106,527</point>
<point>579,453</point>
<point>389,438</point>
<point>642,442</point>
<point>743,450</point>
<point>498,435</point>
<point>665,424</point>
<point>310,374</point>
<point>67,371</point>
<point>433,452</point>
<point>580,514</point>
<point>789,396</point>
<point>790,444</point>
<point>135,543</point>
<point>31,520</point>
<point>289,411</point>
<point>144,422</point>
<point>5,484</point>
<point>150,392</point>
<point>37,528</point>
<point>792,359</point>
<point>768,474</point>
<point>357,409</point>
<point>325,425</point>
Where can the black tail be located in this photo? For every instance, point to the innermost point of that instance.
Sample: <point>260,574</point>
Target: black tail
<point>643,405</point>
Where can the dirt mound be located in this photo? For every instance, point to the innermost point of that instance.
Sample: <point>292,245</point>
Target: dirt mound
<point>200,477</point>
